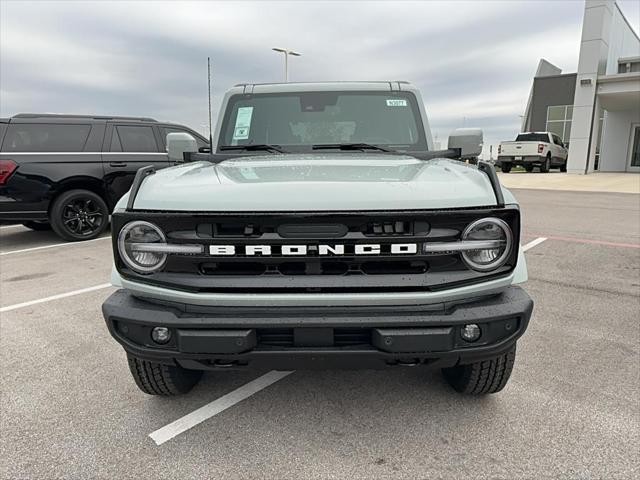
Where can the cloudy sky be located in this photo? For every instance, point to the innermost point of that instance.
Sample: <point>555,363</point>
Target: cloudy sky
<point>473,60</point>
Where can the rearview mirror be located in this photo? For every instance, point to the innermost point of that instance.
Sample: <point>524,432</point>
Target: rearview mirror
<point>468,141</point>
<point>178,144</point>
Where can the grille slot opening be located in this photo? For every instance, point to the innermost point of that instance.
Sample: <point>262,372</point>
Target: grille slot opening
<point>342,337</point>
<point>230,268</point>
<point>210,230</point>
<point>394,228</point>
<point>346,337</point>
<point>335,268</point>
<point>291,268</point>
<point>233,230</point>
<point>275,337</point>
<point>313,268</point>
<point>312,230</point>
<point>380,268</point>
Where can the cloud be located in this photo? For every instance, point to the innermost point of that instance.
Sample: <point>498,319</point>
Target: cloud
<point>473,61</point>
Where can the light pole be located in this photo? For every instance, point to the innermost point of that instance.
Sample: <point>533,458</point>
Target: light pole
<point>286,59</point>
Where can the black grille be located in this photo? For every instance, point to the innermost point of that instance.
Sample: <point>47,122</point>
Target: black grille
<point>275,337</point>
<point>347,337</point>
<point>335,267</point>
<point>313,272</point>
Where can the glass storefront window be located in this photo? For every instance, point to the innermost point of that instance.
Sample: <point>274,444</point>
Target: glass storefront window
<point>556,113</point>
<point>559,121</point>
<point>557,128</point>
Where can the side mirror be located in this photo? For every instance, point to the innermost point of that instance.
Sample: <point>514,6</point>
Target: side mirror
<point>468,140</point>
<point>178,144</point>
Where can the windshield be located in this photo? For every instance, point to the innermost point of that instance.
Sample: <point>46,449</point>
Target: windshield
<point>299,121</point>
<point>533,137</point>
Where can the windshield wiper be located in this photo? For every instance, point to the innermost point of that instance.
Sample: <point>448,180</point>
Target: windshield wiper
<point>350,146</point>
<point>253,147</point>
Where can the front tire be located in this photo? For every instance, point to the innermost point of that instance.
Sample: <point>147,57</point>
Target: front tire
<point>563,167</point>
<point>159,379</point>
<point>79,215</point>
<point>506,167</point>
<point>484,377</point>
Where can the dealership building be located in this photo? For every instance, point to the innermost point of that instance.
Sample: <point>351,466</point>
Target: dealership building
<point>597,109</point>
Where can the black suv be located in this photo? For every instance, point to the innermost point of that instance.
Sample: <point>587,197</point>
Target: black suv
<point>67,172</point>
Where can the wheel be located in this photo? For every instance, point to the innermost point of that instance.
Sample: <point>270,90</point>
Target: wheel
<point>37,226</point>
<point>506,167</point>
<point>528,168</point>
<point>79,215</point>
<point>546,165</point>
<point>480,378</point>
<point>158,379</point>
<point>563,167</point>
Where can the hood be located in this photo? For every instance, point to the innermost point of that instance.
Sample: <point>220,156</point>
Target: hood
<point>316,182</point>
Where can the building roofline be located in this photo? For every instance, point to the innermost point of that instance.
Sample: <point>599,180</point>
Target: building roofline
<point>557,76</point>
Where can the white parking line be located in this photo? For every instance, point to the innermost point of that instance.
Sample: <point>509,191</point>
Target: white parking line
<point>6,227</point>
<point>533,243</point>
<point>54,297</point>
<point>67,244</point>
<point>192,419</point>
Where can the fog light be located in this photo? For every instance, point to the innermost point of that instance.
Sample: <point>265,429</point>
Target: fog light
<point>161,335</point>
<point>470,333</point>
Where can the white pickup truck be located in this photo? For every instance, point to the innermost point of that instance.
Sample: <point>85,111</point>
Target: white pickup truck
<point>533,149</point>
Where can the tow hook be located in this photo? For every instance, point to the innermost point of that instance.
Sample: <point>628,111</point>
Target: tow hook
<point>405,362</point>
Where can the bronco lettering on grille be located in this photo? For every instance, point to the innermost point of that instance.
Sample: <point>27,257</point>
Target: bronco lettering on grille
<point>319,250</point>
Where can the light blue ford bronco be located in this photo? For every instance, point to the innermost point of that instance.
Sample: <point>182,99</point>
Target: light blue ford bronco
<point>322,231</point>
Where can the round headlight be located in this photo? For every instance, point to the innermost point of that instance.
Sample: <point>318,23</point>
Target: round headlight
<point>488,229</point>
<point>132,240</point>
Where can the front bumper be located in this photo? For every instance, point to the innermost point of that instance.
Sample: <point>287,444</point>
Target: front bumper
<point>317,337</point>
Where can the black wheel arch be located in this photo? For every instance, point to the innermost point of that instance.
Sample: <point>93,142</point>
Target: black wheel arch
<point>91,184</point>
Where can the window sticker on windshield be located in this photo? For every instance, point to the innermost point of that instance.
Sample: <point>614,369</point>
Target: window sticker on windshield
<point>243,123</point>
<point>396,102</point>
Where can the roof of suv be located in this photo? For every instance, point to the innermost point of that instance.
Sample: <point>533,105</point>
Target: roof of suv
<point>60,116</point>
<point>388,86</point>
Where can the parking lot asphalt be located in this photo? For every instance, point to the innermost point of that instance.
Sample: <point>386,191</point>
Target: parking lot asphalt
<point>69,408</point>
